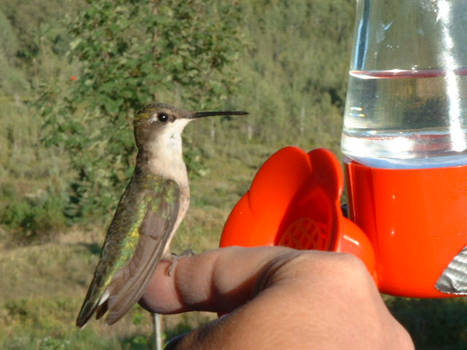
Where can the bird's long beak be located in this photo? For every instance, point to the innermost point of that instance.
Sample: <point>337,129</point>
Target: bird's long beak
<point>209,114</point>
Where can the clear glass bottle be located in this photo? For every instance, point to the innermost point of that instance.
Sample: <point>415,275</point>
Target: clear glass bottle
<point>406,104</point>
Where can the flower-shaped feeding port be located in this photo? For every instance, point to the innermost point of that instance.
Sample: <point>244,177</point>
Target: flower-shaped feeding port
<point>294,201</point>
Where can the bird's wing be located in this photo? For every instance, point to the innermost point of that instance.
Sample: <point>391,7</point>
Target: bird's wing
<point>133,246</point>
<point>154,232</point>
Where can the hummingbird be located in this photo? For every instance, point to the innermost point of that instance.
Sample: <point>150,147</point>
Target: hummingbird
<point>148,214</point>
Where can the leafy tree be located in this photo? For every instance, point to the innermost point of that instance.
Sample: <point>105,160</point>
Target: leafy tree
<point>130,51</point>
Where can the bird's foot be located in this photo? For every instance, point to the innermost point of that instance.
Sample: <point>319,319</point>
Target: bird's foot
<point>173,258</point>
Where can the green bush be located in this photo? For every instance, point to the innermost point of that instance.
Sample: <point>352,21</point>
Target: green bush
<point>31,218</point>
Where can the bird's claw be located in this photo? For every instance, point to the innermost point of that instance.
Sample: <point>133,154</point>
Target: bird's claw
<point>173,258</point>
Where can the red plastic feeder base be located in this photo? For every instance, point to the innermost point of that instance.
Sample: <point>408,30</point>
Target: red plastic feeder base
<point>411,223</point>
<point>294,201</point>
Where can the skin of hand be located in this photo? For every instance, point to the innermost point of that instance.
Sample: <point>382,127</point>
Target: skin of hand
<point>276,298</point>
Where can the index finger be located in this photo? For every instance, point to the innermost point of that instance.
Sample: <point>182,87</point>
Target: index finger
<point>219,280</point>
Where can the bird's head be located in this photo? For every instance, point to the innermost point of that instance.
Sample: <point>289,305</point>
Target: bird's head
<point>162,123</point>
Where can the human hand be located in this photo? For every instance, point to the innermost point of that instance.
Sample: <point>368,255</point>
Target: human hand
<point>277,298</point>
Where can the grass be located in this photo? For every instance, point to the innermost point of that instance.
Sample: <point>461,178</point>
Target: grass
<point>439,324</point>
<point>46,285</point>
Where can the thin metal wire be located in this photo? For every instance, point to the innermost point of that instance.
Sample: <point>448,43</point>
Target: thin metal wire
<point>157,332</point>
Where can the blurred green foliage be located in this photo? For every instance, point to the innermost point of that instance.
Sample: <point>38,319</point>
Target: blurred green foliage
<point>433,323</point>
<point>129,52</point>
<point>33,42</point>
<point>295,70</point>
<point>32,218</point>
<point>284,63</point>
<point>12,80</point>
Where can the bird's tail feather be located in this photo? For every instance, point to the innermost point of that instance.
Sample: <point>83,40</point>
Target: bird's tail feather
<point>85,313</point>
<point>94,298</point>
<point>127,286</point>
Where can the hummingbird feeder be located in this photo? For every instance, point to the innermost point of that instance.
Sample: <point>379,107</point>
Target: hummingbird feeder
<point>405,146</point>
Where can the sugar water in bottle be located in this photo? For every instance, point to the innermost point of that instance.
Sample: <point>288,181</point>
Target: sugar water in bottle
<point>407,95</point>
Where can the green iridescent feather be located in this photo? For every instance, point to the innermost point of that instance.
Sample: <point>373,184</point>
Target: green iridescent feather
<point>145,193</point>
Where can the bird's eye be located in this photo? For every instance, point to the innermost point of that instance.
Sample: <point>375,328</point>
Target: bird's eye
<point>162,117</point>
